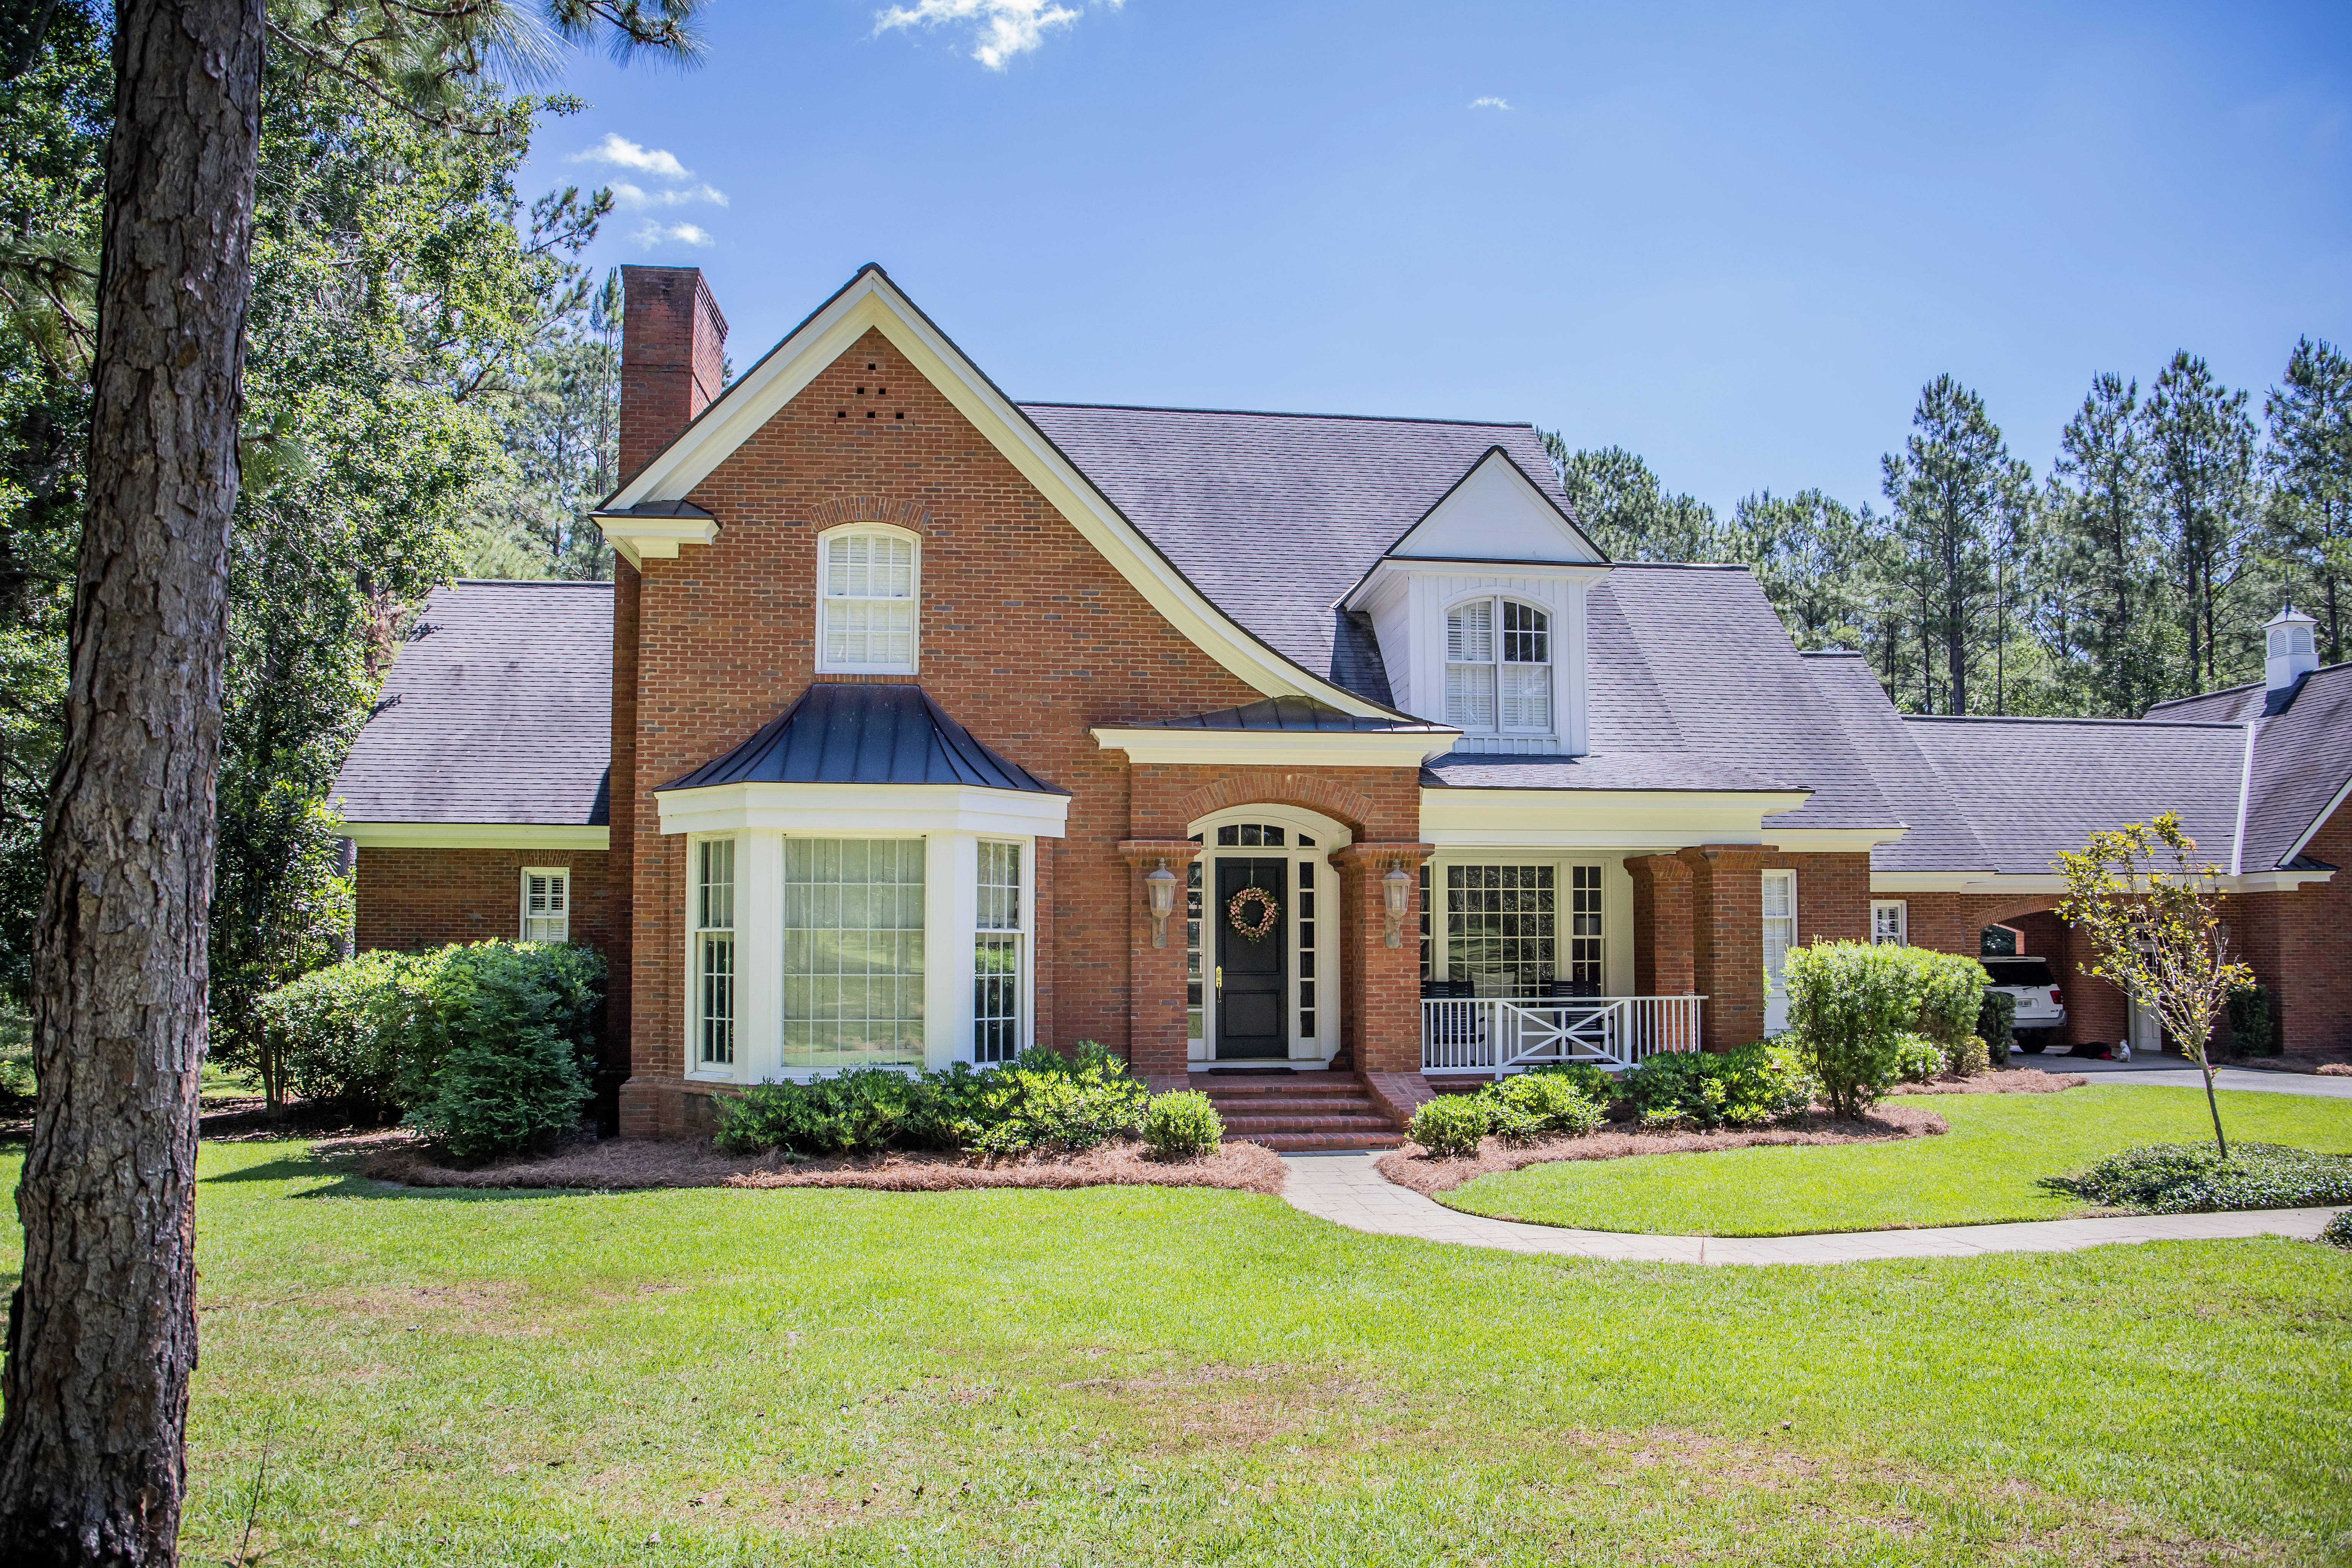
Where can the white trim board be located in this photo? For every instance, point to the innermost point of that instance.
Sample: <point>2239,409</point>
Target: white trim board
<point>2028,884</point>
<point>1635,821</point>
<point>863,811</point>
<point>870,301</point>
<point>474,836</point>
<point>1276,748</point>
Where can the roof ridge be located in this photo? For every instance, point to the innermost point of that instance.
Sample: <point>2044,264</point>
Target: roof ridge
<point>602,583</point>
<point>1283,414</point>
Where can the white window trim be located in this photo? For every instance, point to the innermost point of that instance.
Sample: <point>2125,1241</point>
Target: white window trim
<point>523,929</point>
<point>1776,987</point>
<point>1902,920</point>
<point>915,584</point>
<point>1025,981</point>
<point>1551,665</point>
<point>696,1066</point>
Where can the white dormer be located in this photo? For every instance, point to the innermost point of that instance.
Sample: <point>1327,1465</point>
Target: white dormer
<point>2292,653</point>
<point>1479,612</point>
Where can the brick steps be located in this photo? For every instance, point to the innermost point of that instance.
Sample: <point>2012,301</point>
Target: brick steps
<point>1294,1112</point>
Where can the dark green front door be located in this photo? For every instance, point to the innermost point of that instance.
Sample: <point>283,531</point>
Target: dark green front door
<point>1250,994</point>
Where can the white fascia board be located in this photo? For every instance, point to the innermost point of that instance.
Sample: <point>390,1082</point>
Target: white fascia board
<point>2031,884</point>
<point>872,303</point>
<point>1634,820</point>
<point>475,836</point>
<point>2274,882</point>
<point>863,811</point>
<point>643,538</point>
<point>1399,569</point>
<point>2312,832</point>
<point>1276,748</point>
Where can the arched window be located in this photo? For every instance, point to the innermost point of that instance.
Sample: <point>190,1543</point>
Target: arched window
<point>867,581</point>
<point>1498,668</point>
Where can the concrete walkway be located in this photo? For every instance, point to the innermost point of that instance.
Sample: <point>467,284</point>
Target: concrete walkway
<point>2173,1072</point>
<point>1346,1190</point>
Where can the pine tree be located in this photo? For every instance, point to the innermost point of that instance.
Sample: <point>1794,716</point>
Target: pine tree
<point>2097,572</point>
<point>2200,444</point>
<point>2310,416</point>
<point>1625,511</point>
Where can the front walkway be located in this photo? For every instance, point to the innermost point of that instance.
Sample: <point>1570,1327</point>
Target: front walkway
<point>1346,1190</point>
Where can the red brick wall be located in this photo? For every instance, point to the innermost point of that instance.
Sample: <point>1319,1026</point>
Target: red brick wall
<point>1954,922</point>
<point>1728,941</point>
<point>2300,944</point>
<point>1833,895</point>
<point>411,899</point>
<point>1028,637</point>
<point>672,353</point>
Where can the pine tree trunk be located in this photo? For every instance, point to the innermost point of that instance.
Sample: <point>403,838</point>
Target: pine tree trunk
<point>102,1331</point>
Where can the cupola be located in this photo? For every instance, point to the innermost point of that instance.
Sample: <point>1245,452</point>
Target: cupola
<point>2293,654</point>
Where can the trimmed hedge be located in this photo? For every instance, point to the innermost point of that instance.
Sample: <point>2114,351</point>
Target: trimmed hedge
<point>1451,1124</point>
<point>1866,1015</point>
<point>488,1048</point>
<point>1706,1089</point>
<point>1182,1125</point>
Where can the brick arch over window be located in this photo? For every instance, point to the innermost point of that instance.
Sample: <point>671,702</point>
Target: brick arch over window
<point>2018,908</point>
<point>1350,806</point>
<point>871,509</point>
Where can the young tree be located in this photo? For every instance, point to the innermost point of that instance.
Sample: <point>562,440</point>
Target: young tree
<point>1959,501</point>
<point>2152,914</point>
<point>2200,444</point>
<point>2310,416</point>
<point>102,1327</point>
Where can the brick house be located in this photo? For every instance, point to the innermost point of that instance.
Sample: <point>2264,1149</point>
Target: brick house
<point>922,726</point>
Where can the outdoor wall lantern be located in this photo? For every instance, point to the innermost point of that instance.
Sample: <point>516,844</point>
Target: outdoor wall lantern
<point>1396,888</point>
<point>1160,888</point>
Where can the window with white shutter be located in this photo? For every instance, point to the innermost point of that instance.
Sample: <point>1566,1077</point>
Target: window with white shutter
<point>1890,922</point>
<point>547,903</point>
<point>1499,666</point>
<point>867,581</point>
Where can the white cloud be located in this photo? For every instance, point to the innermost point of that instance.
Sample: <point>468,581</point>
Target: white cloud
<point>623,153</point>
<point>1002,28</point>
<point>628,195</point>
<point>650,235</point>
<point>1488,103</point>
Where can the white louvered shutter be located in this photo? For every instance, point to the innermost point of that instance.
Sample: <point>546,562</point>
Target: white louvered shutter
<point>547,905</point>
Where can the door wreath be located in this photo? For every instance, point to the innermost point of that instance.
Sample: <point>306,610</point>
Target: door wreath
<point>1270,912</point>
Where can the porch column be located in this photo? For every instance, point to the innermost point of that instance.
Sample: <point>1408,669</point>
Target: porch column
<point>1662,925</point>
<point>1727,939</point>
<point>1156,1034</point>
<point>1380,1021</point>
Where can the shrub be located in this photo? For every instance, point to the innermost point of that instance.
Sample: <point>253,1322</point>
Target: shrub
<point>854,1112</point>
<point>1552,1102</point>
<point>502,1035</point>
<point>1046,1101</point>
<point>1948,990</point>
<point>2193,1178</point>
<point>1451,1124</point>
<point>1997,1023</point>
<point>2250,1030</point>
<point>1708,1090</point>
<point>1588,1081</point>
<point>1972,1057</point>
<point>1917,1059</point>
<point>1852,1004</point>
<point>2338,1231</point>
<point>1182,1125</point>
<point>1041,1099</point>
<point>340,1034</point>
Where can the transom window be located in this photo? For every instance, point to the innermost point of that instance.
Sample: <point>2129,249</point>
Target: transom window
<point>867,586</point>
<point>714,952</point>
<point>1498,668</point>
<point>852,967</point>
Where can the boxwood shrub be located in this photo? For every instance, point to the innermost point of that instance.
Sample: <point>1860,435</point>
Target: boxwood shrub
<point>1451,1124</point>
<point>1182,1125</point>
<point>1706,1089</point>
<point>1535,1104</point>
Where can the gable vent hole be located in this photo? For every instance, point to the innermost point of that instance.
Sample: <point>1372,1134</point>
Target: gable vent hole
<point>861,391</point>
<point>843,414</point>
<point>881,391</point>
<point>869,414</point>
<point>902,414</point>
<point>869,367</point>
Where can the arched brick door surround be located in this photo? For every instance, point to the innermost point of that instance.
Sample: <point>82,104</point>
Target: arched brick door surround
<point>1350,807</point>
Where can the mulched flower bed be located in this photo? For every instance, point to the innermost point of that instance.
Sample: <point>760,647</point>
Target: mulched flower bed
<point>1414,1166</point>
<point>637,1163</point>
<point>2006,1081</point>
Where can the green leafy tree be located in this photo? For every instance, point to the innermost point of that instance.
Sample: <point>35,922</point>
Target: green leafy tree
<point>2201,445</point>
<point>1959,502</point>
<point>2152,911</point>
<point>2310,419</point>
<point>561,436</point>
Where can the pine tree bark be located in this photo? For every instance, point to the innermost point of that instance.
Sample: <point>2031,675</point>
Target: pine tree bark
<point>102,1333</point>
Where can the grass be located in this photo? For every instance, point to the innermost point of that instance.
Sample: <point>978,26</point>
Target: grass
<point>1126,1375</point>
<point>1987,1169</point>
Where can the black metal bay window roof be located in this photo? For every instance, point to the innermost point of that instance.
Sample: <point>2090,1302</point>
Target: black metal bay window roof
<point>864,733</point>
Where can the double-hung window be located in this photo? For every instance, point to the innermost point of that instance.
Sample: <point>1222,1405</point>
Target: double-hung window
<point>714,953</point>
<point>1779,922</point>
<point>1498,663</point>
<point>853,970</point>
<point>996,956</point>
<point>546,903</point>
<point>866,581</point>
<point>1889,923</point>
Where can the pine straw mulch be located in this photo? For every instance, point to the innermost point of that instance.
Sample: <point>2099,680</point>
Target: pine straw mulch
<point>633,1163</point>
<point>1414,1166</point>
<point>2006,1081</point>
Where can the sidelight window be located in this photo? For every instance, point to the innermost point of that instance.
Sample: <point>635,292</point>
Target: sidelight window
<point>714,953</point>
<point>996,956</point>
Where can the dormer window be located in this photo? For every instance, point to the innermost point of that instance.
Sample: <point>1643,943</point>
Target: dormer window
<point>1498,661</point>
<point>866,581</point>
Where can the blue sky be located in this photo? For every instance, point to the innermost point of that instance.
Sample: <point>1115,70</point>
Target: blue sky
<point>1733,239</point>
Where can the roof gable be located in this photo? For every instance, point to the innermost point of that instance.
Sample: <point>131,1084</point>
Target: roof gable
<point>871,302</point>
<point>1494,512</point>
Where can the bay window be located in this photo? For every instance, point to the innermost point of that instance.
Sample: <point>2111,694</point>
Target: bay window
<point>853,953</point>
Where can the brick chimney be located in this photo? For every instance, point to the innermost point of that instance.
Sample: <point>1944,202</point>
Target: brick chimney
<point>673,346</point>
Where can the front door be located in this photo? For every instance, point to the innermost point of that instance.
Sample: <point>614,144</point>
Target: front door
<point>1250,974</point>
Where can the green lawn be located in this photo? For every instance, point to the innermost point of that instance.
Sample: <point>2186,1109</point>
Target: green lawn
<point>1126,1375</point>
<point>1988,1168</point>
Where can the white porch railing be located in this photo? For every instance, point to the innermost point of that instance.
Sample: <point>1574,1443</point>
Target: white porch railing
<point>1498,1035</point>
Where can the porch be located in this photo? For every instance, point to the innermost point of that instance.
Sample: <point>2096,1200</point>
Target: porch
<point>1463,1034</point>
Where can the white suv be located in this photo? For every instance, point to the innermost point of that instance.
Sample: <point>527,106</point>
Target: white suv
<point>2040,1000</point>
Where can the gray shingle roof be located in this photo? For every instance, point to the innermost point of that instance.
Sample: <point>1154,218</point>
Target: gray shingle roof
<point>2303,755</point>
<point>1275,516</point>
<point>841,733</point>
<point>498,709</point>
<point>2031,787</point>
<point>1297,714</point>
<point>1938,834</point>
